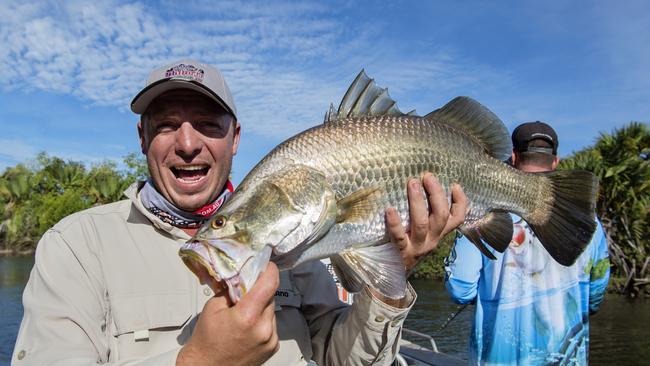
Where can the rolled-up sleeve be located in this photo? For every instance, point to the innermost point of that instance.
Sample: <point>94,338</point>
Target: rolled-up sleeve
<point>365,333</point>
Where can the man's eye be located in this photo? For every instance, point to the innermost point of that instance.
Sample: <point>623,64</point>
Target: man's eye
<point>165,127</point>
<point>211,127</point>
<point>211,124</point>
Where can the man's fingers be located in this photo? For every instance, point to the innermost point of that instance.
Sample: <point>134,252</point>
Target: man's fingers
<point>459,208</point>
<point>418,211</point>
<point>396,230</point>
<point>438,204</point>
<point>262,294</point>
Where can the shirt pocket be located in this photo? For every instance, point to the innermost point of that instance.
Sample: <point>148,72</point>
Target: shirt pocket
<point>144,312</point>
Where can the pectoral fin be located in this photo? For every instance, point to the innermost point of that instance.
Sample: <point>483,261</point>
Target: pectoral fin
<point>359,206</point>
<point>378,266</point>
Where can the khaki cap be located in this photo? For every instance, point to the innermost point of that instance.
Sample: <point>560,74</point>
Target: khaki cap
<point>185,74</point>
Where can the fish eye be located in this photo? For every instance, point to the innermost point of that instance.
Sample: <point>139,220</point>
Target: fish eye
<point>218,222</point>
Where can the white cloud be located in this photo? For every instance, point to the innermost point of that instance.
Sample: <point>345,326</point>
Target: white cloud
<point>272,54</point>
<point>101,51</point>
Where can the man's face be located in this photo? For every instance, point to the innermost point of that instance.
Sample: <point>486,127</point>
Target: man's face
<point>189,141</point>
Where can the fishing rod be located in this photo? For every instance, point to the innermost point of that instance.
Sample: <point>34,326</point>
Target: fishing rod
<point>451,317</point>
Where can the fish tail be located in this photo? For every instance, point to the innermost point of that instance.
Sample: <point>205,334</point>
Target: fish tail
<point>565,221</point>
<point>378,266</point>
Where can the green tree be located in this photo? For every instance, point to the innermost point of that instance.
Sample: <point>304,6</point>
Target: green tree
<point>15,192</point>
<point>620,160</point>
<point>56,175</point>
<point>15,184</point>
<point>105,184</point>
<point>35,196</point>
<point>57,206</point>
<point>433,265</point>
<point>137,168</point>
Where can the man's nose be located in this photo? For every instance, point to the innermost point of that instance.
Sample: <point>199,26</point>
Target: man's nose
<point>188,141</point>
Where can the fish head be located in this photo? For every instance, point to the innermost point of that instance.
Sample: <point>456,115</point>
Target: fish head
<point>235,245</point>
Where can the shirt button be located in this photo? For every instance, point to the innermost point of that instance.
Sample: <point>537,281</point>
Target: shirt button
<point>21,354</point>
<point>379,318</point>
<point>207,291</point>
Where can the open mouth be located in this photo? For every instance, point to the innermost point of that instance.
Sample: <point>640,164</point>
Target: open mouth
<point>190,173</point>
<point>212,265</point>
<point>203,261</point>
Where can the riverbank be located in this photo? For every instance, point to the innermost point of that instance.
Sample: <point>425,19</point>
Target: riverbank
<point>16,253</point>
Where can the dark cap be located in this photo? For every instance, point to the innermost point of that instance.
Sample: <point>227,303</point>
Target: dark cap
<point>527,132</point>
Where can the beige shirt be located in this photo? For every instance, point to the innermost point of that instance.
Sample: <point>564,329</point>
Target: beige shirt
<point>108,287</point>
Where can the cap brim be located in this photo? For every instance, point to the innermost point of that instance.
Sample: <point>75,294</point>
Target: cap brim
<point>147,95</point>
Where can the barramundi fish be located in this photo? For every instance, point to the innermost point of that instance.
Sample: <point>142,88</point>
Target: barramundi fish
<point>323,193</point>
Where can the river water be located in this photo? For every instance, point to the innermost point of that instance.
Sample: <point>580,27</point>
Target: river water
<point>620,332</point>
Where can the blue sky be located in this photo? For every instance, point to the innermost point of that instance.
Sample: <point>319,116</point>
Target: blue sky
<point>69,69</point>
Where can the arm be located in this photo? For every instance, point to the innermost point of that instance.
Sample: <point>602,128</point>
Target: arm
<point>66,309</point>
<point>463,269</point>
<point>599,272</point>
<point>361,334</point>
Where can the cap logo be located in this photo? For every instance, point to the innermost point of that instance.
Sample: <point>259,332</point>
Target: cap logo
<point>539,134</point>
<point>186,72</point>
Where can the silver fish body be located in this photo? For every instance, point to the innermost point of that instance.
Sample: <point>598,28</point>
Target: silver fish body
<point>323,193</point>
<point>383,153</point>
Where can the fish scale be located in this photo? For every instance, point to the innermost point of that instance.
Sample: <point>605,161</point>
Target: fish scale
<point>324,192</point>
<point>400,148</point>
<point>416,146</point>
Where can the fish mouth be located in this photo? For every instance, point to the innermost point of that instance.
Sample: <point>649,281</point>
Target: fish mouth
<point>211,263</point>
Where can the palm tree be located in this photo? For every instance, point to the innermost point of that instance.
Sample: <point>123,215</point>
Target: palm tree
<point>105,184</point>
<point>15,190</point>
<point>58,175</point>
<point>621,162</point>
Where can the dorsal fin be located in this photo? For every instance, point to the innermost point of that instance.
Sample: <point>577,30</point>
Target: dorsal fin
<point>364,98</point>
<point>472,117</point>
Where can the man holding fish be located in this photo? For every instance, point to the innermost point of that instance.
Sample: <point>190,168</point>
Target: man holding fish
<point>108,286</point>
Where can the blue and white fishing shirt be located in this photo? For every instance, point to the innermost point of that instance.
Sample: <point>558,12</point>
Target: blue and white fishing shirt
<point>530,310</point>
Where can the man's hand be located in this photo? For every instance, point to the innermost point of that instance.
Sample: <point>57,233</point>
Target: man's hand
<point>243,334</point>
<point>427,226</point>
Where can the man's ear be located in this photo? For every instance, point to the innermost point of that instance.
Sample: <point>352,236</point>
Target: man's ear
<point>556,161</point>
<point>513,158</point>
<point>143,144</point>
<point>236,134</point>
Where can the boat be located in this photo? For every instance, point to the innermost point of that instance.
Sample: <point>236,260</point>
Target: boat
<point>413,354</point>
